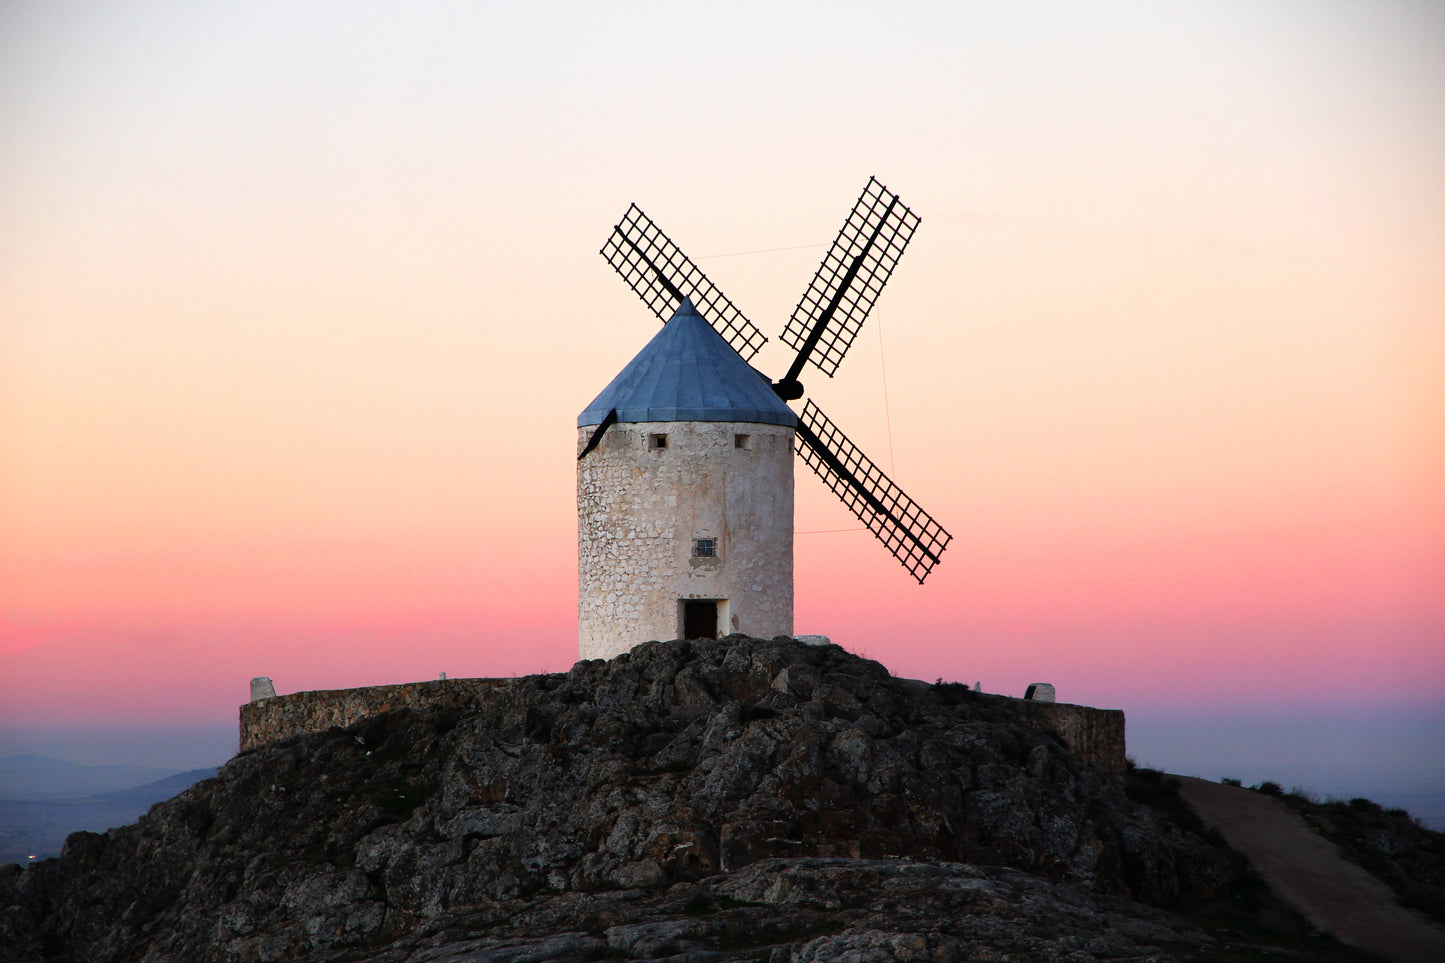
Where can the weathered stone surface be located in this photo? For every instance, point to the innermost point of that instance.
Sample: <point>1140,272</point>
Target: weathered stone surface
<point>737,799</point>
<point>280,717</point>
<point>639,509</point>
<point>1093,734</point>
<point>796,910</point>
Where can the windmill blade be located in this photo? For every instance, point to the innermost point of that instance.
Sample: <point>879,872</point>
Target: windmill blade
<point>909,532</point>
<point>849,280</point>
<point>662,276</point>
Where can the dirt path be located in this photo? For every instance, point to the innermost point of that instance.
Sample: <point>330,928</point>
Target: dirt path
<point>1308,872</point>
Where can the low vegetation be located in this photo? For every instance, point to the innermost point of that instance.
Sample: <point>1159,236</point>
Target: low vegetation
<point>1247,914</point>
<point>1388,843</point>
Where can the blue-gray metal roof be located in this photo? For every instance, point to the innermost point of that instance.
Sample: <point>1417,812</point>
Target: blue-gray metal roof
<point>687,372</point>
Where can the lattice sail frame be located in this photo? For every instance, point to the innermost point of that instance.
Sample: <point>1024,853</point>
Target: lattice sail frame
<point>655,267</point>
<point>904,528</point>
<point>868,246</point>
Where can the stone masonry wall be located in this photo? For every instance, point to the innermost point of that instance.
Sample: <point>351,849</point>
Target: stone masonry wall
<point>639,508</point>
<point>270,720</point>
<point>1095,735</point>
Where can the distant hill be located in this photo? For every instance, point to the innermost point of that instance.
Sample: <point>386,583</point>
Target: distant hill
<point>33,777</point>
<point>737,799</point>
<point>153,792</point>
<point>35,823</point>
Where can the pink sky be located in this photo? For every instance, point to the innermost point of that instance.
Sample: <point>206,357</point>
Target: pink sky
<point>299,305</point>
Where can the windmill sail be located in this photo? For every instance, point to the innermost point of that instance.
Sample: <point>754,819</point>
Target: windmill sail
<point>907,531</point>
<point>662,276</point>
<point>822,328</point>
<point>849,280</point>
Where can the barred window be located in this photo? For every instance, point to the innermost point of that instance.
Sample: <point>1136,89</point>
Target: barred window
<point>704,548</point>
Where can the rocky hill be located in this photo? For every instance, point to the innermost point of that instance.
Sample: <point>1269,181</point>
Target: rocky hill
<point>731,800</point>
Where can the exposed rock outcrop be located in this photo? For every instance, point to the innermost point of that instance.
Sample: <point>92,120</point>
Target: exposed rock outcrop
<point>738,799</point>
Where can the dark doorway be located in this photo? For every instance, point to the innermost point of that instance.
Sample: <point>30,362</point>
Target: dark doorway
<point>699,620</point>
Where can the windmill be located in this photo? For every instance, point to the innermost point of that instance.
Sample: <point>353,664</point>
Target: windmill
<point>689,377</point>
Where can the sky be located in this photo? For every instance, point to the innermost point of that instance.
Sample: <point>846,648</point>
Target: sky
<point>299,302</point>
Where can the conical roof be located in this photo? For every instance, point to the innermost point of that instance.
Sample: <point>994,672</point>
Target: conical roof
<point>687,372</point>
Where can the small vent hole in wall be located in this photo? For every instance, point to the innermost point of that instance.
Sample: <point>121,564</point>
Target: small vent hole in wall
<point>704,547</point>
<point>745,442</point>
<point>656,441</point>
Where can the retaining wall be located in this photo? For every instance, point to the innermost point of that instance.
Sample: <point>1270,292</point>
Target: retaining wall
<point>1095,735</point>
<point>282,716</point>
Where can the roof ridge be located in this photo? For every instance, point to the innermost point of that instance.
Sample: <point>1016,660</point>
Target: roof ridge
<point>688,372</point>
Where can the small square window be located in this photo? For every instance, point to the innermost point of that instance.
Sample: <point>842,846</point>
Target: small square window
<point>704,547</point>
<point>656,441</point>
<point>745,442</point>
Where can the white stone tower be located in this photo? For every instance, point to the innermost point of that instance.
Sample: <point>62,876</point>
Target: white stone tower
<point>684,498</point>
